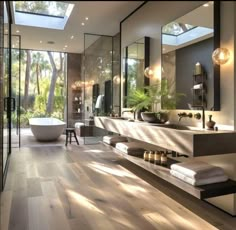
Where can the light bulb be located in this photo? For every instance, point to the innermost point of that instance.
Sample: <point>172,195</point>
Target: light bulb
<point>149,72</point>
<point>220,56</point>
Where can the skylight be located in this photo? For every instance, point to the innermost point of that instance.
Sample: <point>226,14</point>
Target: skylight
<point>57,9</point>
<point>45,14</point>
<point>175,28</point>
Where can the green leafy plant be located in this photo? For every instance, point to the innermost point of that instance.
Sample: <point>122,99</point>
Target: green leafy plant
<point>147,96</point>
<point>138,99</point>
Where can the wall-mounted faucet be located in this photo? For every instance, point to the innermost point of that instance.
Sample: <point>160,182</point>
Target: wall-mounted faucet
<point>199,116</point>
<point>181,115</point>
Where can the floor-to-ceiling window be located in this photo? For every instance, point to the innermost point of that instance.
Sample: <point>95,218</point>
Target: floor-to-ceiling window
<point>7,103</point>
<point>42,88</point>
<point>15,90</point>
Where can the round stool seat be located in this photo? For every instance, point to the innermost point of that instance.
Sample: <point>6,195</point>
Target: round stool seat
<point>70,129</point>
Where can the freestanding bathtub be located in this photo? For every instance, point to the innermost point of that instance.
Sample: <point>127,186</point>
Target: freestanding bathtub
<point>46,129</point>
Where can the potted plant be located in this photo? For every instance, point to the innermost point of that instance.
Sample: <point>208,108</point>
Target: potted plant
<point>144,99</point>
<point>139,101</point>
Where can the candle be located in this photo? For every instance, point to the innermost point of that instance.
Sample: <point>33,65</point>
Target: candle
<point>198,68</point>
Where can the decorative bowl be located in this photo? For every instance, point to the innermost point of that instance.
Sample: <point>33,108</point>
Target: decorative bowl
<point>149,117</point>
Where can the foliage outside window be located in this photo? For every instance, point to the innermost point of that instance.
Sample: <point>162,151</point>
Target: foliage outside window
<point>42,84</point>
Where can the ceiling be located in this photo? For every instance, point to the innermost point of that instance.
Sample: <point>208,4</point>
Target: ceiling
<point>103,18</point>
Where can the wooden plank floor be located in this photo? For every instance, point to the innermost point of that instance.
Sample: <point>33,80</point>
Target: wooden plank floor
<point>88,187</point>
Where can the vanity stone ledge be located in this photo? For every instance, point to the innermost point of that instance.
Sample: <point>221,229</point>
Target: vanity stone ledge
<point>193,142</point>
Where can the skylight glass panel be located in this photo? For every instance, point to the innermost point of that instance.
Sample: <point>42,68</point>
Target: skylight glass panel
<point>45,14</point>
<point>175,28</point>
<point>47,8</point>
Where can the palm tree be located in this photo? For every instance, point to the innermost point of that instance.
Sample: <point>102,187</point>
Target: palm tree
<point>37,59</point>
<point>27,77</point>
<point>55,73</point>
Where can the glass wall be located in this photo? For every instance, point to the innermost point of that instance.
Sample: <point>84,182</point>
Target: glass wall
<point>6,88</point>
<point>97,83</point>
<point>15,90</point>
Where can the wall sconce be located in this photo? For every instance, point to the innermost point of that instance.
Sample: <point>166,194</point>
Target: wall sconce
<point>117,79</point>
<point>149,72</point>
<point>220,56</point>
<point>77,85</point>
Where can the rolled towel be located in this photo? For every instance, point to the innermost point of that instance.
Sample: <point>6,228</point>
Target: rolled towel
<point>131,148</point>
<point>198,182</point>
<point>197,169</point>
<point>114,139</point>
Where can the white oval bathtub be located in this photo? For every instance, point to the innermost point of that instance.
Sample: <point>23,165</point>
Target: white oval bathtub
<point>46,129</point>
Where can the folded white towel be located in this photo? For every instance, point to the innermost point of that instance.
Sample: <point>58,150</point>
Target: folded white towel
<point>131,148</point>
<point>197,169</point>
<point>114,139</point>
<point>210,180</point>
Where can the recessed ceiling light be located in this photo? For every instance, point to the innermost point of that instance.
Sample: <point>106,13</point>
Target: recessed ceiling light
<point>17,31</point>
<point>206,5</point>
<point>65,46</point>
<point>40,42</point>
<point>86,18</point>
<point>72,37</point>
<point>13,46</point>
<point>82,24</point>
<point>6,31</point>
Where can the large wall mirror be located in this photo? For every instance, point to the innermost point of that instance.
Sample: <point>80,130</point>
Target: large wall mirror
<point>135,59</point>
<point>187,47</point>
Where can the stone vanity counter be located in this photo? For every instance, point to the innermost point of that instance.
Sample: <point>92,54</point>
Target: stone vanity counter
<point>194,142</point>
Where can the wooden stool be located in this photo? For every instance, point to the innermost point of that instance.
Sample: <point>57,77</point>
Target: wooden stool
<point>69,132</point>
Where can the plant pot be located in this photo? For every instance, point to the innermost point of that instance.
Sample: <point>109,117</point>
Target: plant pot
<point>162,117</point>
<point>149,117</point>
<point>137,114</point>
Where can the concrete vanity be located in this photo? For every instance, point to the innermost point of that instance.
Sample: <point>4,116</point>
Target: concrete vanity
<point>186,140</point>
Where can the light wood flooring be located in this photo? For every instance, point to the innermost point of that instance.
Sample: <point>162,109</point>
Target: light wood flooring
<point>90,187</point>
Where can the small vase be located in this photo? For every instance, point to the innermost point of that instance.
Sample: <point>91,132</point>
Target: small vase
<point>210,124</point>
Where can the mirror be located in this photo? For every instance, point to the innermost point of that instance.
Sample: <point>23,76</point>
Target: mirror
<point>136,59</point>
<point>187,47</point>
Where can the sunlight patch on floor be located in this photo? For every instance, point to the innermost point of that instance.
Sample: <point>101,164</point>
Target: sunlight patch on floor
<point>116,172</point>
<point>82,200</point>
<point>133,189</point>
<point>94,151</point>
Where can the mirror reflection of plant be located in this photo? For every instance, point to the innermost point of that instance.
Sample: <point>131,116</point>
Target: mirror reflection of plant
<point>169,99</point>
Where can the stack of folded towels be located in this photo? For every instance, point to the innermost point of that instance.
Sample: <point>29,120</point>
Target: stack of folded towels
<point>198,173</point>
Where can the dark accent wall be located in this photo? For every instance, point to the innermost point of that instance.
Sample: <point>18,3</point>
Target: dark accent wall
<point>186,58</point>
<point>108,96</point>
